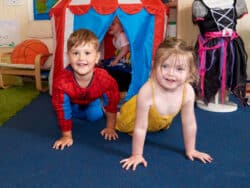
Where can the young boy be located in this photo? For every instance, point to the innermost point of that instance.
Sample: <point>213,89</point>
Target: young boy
<point>119,66</point>
<point>82,90</point>
<point>120,42</point>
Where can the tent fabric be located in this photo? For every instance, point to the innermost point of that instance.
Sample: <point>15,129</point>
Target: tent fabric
<point>143,24</point>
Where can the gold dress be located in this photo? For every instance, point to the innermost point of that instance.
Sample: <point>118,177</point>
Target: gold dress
<point>156,122</point>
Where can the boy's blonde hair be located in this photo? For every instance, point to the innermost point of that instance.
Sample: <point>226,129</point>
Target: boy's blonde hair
<point>82,36</point>
<point>176,47</point>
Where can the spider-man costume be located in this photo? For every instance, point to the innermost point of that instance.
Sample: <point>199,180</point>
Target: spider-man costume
<point>69,99</point>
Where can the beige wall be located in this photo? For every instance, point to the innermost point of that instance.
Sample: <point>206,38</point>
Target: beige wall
<point>187,31</point>
<point>185,27</point>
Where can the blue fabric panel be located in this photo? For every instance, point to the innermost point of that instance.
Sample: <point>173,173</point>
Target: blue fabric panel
<point>139,29</point>
<point>95,22</point>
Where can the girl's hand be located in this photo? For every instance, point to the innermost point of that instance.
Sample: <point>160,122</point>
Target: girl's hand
<point>62,142</point>
<point>109,134</point>
<point>204,157</point>
<point>133,161</point>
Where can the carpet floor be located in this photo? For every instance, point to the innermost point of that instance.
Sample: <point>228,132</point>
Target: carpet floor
<point>27,159</point>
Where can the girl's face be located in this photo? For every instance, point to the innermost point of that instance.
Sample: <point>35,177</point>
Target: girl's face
<point>83,59</point>
<point>173,72</point>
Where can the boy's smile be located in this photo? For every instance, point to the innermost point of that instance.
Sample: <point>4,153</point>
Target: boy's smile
<point>83,59</point>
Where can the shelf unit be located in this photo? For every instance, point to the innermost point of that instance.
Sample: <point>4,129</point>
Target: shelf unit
<point>172,22</point>
<point>171,4</point>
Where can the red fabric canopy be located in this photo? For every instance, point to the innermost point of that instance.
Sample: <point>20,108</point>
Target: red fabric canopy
<point>109,6</point>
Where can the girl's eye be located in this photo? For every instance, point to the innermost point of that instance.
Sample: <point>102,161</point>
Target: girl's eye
<point>87,53</point>
<point>164,66</point>
<point>180,68</point>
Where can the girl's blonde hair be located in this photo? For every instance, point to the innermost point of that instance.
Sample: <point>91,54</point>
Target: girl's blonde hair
<point>176,47</point>
<point>82,36</point>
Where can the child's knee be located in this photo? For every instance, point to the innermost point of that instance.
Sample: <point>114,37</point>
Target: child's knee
<point>94,116</point>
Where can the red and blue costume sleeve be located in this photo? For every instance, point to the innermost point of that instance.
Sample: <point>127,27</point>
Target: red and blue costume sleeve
<point>66,92</point>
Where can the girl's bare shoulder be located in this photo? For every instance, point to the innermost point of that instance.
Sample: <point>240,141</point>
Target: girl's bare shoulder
<point>145,92</point>
<point>190,94</point>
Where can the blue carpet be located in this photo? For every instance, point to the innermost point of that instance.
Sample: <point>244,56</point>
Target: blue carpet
<point>27,159</point>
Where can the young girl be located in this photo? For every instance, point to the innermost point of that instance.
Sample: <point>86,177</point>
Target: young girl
<point>160,99</point>
<point>78,90</point>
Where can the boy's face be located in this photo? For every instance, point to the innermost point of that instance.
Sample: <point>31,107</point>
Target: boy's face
<point>83,58</point>
<point>115,27</point>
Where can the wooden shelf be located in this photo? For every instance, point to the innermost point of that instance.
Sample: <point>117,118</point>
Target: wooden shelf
<point>171,4</point>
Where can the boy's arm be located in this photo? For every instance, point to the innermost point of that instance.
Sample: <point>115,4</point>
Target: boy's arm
<point>109,132</point>
<point>62,107</point>
<point>61,104</point>
<point>65,141</point>
<point>111,100</point>
<point>111,120</point>
<point>124,50</point>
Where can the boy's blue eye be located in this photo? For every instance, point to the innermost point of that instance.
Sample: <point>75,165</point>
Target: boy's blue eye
<point>75,53</point>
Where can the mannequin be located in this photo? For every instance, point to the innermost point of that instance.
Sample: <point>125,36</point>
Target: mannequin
<point>221,54</point>
<point>219,3</point>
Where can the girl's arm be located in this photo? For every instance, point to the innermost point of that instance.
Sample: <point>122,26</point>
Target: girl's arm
<point>189,128</point>
<point>139,133</point>
<point>141,124</point>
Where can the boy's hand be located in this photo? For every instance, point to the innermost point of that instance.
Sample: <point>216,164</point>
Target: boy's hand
<point>62,142</point>
<point>113,63</point>
<point>133,162</point>
<point>109,134</point>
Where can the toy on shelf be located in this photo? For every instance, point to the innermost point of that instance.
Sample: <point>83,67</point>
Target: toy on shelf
<point>222,58</point>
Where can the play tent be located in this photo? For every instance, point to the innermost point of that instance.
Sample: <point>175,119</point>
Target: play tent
<point>143,21</point>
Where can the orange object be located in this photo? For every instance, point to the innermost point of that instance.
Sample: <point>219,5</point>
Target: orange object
<point>248,89</point>
<point>26,51</point>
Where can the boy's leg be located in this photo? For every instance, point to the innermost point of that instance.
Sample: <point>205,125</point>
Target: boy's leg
<point>91,112</point>
<point>94,110</point>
